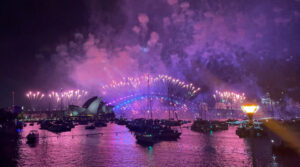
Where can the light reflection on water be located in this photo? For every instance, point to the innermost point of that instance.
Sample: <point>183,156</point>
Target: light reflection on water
<point>117,147</point>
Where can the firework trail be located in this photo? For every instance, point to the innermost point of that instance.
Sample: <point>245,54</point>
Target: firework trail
<point>55,100</point>
<point>34,99</point>
<point>227,99</point>
<point>161,84</point>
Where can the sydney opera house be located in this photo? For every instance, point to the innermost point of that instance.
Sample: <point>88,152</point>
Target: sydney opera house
<point>92,107</point>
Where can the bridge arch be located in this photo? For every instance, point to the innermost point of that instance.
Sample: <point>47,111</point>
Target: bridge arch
<point>177,104</point>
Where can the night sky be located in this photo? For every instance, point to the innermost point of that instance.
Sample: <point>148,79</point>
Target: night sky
<point>28,28</point>
<point>250,45</point>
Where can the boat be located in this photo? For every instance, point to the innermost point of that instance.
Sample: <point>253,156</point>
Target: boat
<point>150,132</point>
<point>33,136</point>
<point>145,138</point>
<point>83,122</point>
<point>100,124</point>
<point>121,121</point>
<point>55,128</point>
<point>205,126</point>
<point>92,126</point>
<point>245,130</point>
<point>171,122</point>
<point>168,134</point>
<point>234,123</point>
<point>59,128</point>
<point>45,125</point>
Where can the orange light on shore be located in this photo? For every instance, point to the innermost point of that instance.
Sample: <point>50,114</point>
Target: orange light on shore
<point>250,109</point>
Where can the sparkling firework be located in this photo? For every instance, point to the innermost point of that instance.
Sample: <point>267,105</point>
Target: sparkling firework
<point>160,94</point>
<point>158,84</point>
<point>34,98</point>
<point>56,100</point>
<point>73,96</point>
<point>227,99</point>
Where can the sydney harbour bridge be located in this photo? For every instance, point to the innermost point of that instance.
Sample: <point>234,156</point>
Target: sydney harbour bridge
<point>145,96</point>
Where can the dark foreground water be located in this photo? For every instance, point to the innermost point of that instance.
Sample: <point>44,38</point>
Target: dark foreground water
<point>117,147</point>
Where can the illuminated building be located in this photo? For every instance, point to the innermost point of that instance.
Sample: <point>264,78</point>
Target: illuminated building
<point>94,107</point>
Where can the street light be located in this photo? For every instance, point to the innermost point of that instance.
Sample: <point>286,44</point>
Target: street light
<point>250,110</point>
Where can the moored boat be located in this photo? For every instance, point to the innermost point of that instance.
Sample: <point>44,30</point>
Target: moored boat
<point>168,134</point>
<point>145,138</point>
<point>205,126</point>
<point>100,123</point>
<point>245,130</point>
<point>33,136</point>
<point>121,121</point>
<point>92,126</point>
<point>83,122</point>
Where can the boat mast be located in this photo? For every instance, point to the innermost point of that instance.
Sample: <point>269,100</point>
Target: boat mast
<point>169,102</point>
<point>149,99</point>
<point>61,104</point>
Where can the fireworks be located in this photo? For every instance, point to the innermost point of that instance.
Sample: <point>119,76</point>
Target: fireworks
<point>34,99</point>
<point>228,99</point>
<point>161,83</point>
<point>138,81</point>
<point>161,93</point>
<point>55,100</point>
<point>72,96</point>
<point>229,96</point>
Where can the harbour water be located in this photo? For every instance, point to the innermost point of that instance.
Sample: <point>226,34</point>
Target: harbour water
<point>115,146</point>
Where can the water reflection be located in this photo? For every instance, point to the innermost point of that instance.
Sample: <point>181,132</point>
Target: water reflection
<point>114,145</point>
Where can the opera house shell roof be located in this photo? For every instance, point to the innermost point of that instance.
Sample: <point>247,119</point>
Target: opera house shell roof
<point>92,106</point>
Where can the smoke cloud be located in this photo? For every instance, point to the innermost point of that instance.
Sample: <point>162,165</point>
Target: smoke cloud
<point>213,44</point>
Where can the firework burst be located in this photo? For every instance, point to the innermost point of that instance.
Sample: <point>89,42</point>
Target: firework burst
<point>147,84</point>
<point>160,94</point>
<point>227,99</point>
<point>55,100</point>
<point>34,98</point>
